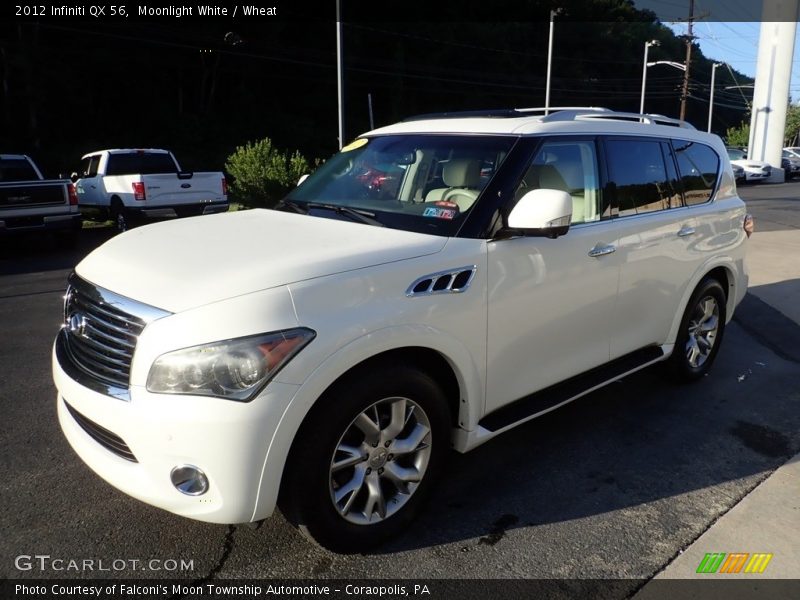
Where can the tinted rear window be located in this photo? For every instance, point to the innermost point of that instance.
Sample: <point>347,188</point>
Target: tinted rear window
<point>699,166</point>
<point>136,163</point>
<point>16,169</point>
<point>638,176</point>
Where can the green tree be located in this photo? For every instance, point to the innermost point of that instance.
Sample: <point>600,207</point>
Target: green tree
<point>262,174</point>
<point>738,136</point>
<point>792,130</point>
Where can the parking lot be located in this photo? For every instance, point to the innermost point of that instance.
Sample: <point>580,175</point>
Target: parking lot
<point>614,485</point>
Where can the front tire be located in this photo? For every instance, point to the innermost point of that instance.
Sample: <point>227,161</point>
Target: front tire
<point>366,458</point>
<point>701,332</point>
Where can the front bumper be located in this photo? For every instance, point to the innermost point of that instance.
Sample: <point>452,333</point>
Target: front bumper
<point>753,175</point>
<point>228,440</point>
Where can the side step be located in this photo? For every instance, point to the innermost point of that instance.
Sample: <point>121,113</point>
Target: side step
<point>561,392</point>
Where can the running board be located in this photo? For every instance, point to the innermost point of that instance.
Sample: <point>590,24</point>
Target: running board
<point>559,393</point>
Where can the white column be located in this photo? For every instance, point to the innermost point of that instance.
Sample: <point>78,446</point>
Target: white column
<point>774,71</point>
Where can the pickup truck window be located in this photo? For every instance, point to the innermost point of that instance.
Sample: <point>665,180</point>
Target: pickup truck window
<point>17,169</point>
<point>140,163</point>
<point>423,183</point>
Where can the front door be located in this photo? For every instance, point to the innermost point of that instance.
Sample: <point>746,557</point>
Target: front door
<point>551,300</point>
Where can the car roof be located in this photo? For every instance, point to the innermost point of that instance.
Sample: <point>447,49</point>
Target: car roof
<point>538,121</point>
<point>127,151</point>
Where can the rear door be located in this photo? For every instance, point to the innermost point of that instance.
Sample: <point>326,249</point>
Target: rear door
<point>658,245</point>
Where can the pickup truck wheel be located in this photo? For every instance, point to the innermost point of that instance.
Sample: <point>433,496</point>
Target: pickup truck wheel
<point>119,216</point>
<point>701,331</point>
<point>366,460</point>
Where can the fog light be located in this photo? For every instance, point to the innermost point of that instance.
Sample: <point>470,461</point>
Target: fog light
<point>189,480</point>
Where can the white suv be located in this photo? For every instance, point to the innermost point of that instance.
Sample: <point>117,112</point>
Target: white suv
<point>436,283</point>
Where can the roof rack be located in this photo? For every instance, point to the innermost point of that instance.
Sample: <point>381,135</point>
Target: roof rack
<point>557,109</point>
<point>503,113</point>
<point>557,113</point>
<point>634,117</point>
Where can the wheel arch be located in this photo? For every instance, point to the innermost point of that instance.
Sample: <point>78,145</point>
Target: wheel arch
<point>723,270</point>
<point>435,353</point>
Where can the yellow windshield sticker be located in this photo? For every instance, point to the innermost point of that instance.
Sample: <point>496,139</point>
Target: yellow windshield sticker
<point>355,144</point>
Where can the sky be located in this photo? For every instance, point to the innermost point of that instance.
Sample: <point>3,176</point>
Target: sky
<point>728,33</point>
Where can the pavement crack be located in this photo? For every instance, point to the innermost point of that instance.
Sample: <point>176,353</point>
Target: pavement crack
<point>227,548</point>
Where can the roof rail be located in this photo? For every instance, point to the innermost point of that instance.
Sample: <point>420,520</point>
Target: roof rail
<point>633,117</point>
<point>504,113</point>
<point>554,109</point>
<point>558,113</point>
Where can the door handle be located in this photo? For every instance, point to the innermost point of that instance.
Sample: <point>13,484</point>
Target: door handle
<point>602,250</point>
<point>93,187</point>
<point>686,230</point>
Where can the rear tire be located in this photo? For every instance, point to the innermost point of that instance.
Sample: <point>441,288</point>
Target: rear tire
<point>701,331</point>
<point>366,458</point>
<point>119,215</point>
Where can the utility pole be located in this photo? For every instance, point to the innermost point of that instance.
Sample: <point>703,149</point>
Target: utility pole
<point>689,40</point>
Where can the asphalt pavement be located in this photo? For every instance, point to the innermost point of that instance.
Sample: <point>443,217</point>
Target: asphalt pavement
<point>618,484</point>
<point>765,525</point>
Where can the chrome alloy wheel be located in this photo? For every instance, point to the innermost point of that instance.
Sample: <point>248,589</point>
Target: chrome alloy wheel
<point>703,329</point>
<point>380,460</point>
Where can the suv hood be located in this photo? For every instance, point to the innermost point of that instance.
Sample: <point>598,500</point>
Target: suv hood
<point>191,262</point>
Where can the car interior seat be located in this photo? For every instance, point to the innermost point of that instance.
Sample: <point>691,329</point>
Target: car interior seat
<point>463,178</point>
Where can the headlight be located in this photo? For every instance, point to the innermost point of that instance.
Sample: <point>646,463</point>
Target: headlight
<point>235,369</point>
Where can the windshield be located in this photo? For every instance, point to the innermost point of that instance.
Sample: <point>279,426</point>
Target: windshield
<point>424,183</point>
<point>735,154</point>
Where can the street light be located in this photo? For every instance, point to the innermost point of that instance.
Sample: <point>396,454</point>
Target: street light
<point>340,72</point>
<point>671,63</point>
<point>553,14</point>
<point>711,100</point>
<point>644,70</point>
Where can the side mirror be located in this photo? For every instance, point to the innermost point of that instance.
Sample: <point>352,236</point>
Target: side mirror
<point>542,213</point>
<point>302,179</point>
<point>74,177</point>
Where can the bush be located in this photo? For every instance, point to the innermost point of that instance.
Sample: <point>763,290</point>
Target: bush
<point>738,137</point>
<point>262,174</point>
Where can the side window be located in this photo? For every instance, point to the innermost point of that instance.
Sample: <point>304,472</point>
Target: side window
<point>699,166</point>
<point>570,166</point>
<point>90,167</point>
<point>638,176</point>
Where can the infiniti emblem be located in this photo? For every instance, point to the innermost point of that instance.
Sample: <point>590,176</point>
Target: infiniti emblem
<point>77,324</point>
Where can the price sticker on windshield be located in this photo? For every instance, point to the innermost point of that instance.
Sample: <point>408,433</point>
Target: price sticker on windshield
<point>440,213</point>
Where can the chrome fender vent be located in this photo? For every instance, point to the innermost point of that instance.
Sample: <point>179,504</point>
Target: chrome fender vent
<point>454,281</point>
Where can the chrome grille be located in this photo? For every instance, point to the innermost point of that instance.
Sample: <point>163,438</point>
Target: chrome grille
<point>101,329</point>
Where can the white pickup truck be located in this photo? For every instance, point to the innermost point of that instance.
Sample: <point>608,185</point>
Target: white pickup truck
<point>126,185</point>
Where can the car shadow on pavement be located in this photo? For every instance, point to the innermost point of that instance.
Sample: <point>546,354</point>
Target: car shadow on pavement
<point>644,454</point>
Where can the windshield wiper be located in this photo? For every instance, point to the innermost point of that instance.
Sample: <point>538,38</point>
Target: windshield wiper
<point>291,205</point>
<point>360,216</point>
